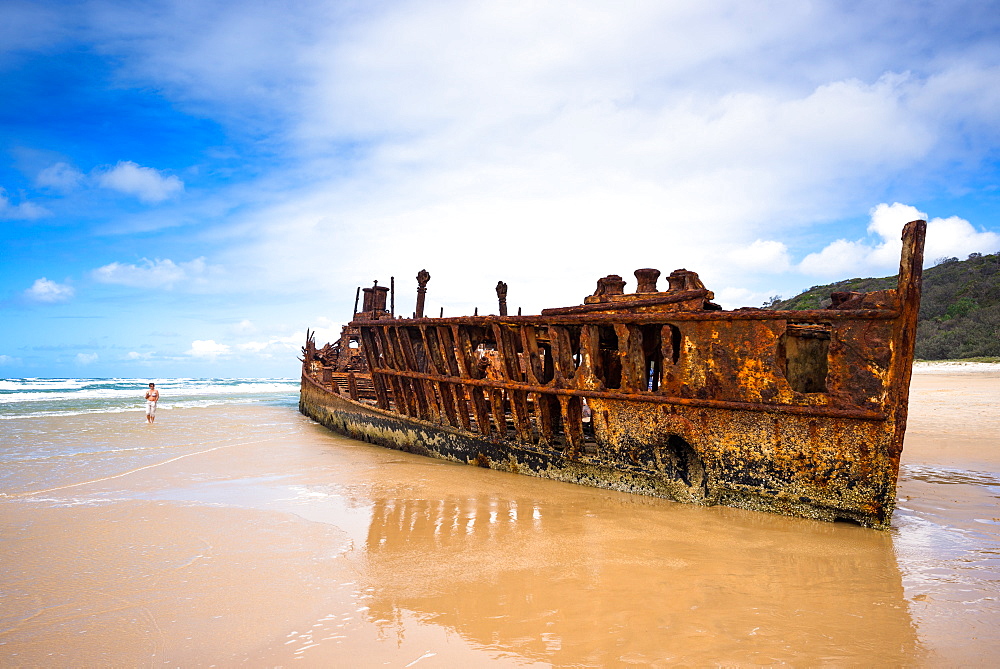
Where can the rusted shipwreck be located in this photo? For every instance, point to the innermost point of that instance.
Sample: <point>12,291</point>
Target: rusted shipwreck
<point>654,392</point>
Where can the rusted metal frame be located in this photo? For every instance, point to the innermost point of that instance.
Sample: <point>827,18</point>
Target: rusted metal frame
<point>448,402</point>
<point>403,387</point>
<point>654,398</point>
<point>427,405</point>
<point>393,356</point>
<point>657,317</point>
<point>369,343</point>
<point>352,386</point>
<point>667,350</point>
<point>497,409</point>
<point>522,418</point>
<point>428,333</point>
<point>381,393</point>
<point>432,389</point>
<point>511,369</point>
<point>464,356</point>
<point>546,416</point>
<point>438,338</point>
<point>571,408</point>
<point>446,346</point>
<point>461,404</point>
<point>633,360</point>
<point>507,350</point>
<point>532,360</point>
<point>562,356</point>
<point>436,360</point>
<point>590,371</point>
<point>673,298</point>
<point>403,395</point>
<point>464,360</point>
<point>498,396</point>
<point>480,408</point>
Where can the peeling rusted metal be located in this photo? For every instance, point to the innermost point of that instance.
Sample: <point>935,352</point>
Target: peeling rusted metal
<point>654,392</point>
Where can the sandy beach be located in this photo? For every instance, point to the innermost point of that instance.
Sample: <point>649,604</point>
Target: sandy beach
<point>248,535</point>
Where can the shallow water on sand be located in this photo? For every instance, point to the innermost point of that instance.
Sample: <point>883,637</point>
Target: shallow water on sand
<point>249,534</point>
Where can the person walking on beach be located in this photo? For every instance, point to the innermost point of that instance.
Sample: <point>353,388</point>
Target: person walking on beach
<point>151,396</point>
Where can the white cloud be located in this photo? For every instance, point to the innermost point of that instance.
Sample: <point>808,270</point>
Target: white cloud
<point>146,183</point>
<point>731,298</point>
<point>762,255</point>
<point>86,358</point>
<point>27,211</point>
<point>274,345</point>
<point>952,236</point>
<point>44,290</point>
<point>9,360</point>
<point>60,176</point>
<point>158,273</point>
<point>207,348</point>
<point>134,355</point>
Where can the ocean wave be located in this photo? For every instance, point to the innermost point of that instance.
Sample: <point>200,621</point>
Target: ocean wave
<point>182,404</point>
<point>56,390</point>
<point>31,398</point>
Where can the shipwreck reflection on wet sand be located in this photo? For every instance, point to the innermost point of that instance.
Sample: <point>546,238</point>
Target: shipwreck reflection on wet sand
<point>607,581</point>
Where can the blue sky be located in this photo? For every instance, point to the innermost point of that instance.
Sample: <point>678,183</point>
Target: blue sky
<point>186,186</point>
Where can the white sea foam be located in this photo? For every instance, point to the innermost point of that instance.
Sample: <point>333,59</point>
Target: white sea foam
<point>953,366</point>
<point>26,398</point>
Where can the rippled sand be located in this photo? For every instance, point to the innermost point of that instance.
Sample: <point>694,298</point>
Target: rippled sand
<point>221,536</point>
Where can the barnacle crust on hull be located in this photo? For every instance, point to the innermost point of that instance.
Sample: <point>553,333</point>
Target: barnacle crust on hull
<point>654,392</point>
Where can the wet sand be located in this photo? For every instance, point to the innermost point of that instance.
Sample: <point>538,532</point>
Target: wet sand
<point>225,536</point>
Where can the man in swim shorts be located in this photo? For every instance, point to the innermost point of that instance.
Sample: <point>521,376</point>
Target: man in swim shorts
<point>151,396</point>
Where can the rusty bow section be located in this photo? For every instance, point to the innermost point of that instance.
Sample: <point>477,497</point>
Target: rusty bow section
<point>653,392</point>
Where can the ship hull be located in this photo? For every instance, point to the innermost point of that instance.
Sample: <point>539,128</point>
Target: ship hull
<point>705,479</point>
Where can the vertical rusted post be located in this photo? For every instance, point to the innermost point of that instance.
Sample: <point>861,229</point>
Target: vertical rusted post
<point>632,358</point>
<point>543,415</point>
<point>497,409</point>
<point>502,297</point>
<point>519,411</point>
<point>481,409</point>
<point>357,296</point>
<point>465,358</point>
<point>588,374</point>
<point>572,415</point>
<point>562,355</point>
<point>422,278</point>
<point>509,364</point>
<point>352,386</point>
<point>532,361</point>
<point>446,351</point>
<point>392,296</point>
<point>904,329</point>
